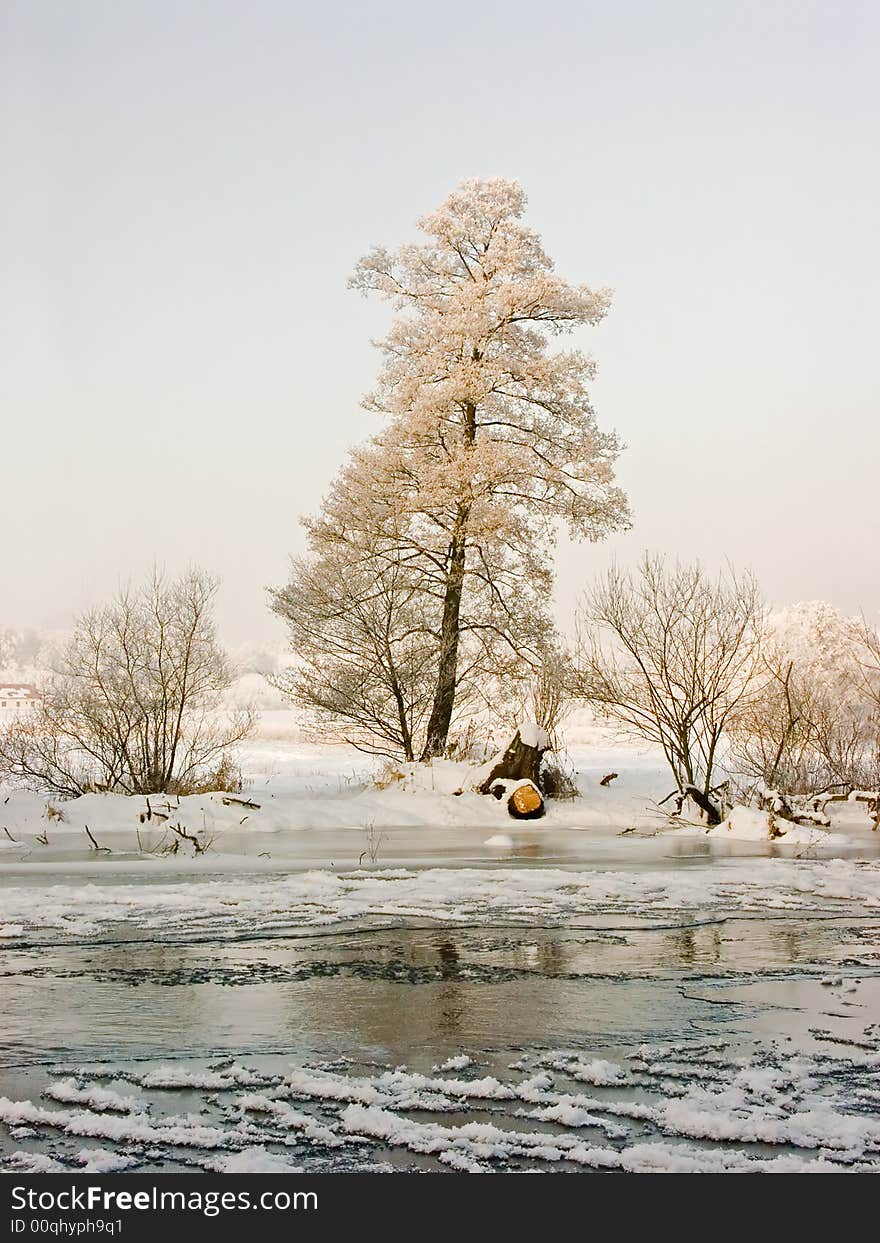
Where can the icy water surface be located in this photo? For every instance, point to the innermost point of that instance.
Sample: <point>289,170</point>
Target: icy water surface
<point>673,1014</point>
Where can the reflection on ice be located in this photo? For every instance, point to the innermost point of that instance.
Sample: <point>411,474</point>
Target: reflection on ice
<point>637,1048</point>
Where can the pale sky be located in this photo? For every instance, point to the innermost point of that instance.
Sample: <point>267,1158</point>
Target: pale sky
<point>188,186</point>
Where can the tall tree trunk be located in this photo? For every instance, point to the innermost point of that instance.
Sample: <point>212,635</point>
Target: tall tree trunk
<point>447,673</point>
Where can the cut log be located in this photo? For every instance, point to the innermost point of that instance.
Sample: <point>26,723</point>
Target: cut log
<point>520,760</point>
<point>525,803</point>
<point>524,799</point>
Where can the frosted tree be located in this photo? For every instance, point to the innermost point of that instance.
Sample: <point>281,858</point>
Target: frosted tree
<point>19,651</point>
<point>868,677</point>
<point>869,683</point>
<point>491,440</point>
<point>7,648</point>
<point>814,726</point>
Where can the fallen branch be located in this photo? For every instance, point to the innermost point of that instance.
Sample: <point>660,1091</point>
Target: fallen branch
<point>198,847</point>
<point>674,819</point>
<point>101,849</point>
<point>705,804</point>
<point>804,810</point>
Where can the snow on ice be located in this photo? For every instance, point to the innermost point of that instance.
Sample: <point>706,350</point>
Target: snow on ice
<point>227,906</point>
<point>718,1111</point>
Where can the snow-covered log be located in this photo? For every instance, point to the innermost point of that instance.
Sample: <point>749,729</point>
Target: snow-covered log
<point>758,824</point>
<point>799,809</point>
<point>872,799</point>
<point>514,774</point>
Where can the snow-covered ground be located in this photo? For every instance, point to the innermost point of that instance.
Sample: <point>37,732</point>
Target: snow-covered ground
<point>359,975</point>
<point>297,787</point>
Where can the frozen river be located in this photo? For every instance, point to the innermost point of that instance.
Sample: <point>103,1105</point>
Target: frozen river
<point>569,1001</point>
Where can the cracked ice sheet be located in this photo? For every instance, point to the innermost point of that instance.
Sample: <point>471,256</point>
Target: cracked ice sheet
<point>320,899</point>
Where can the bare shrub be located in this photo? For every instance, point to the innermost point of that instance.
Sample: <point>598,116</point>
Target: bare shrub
<point>772,736</point>
<point>551,693</point>
<point>671,654</point>
<point>132,702</point>
<point>559,776</point>
<point>365,648</point>
<point>806,733</point>
<point>226,775</point>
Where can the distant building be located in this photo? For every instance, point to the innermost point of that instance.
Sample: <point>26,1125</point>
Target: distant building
<point>17,697</point>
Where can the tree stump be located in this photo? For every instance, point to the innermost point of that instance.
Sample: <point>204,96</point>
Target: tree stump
<point>705,804</point>
<point>520,761</point>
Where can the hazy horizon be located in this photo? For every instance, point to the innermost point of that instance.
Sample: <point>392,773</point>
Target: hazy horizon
<point>192,185</point>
